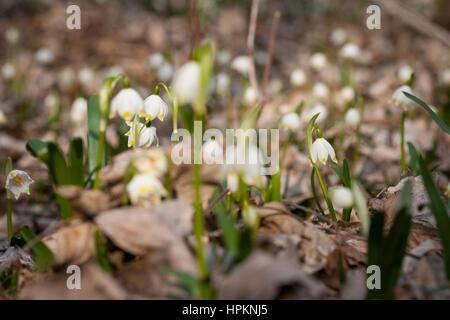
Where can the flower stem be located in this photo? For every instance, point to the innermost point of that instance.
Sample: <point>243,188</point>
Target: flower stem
<point>402,143</point>
<point>324,189</point>
<point>356,150</point>
<point>9,218</point>
<point>173,101</point>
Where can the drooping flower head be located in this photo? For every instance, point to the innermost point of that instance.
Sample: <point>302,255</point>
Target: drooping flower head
<point>321,150</point>
<point>145,190</point>
<point>18,182</point>
<point>146,136</point>
<point>341,197</point>
<point>154,107</point>
<point>186,82</point>
<point>127,103</point>
<point>352,118</point>
<point>291,121</point>
<point>399,98</point>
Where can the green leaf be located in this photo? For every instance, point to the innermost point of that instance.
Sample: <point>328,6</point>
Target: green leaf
<point>375,240</point>
<point>8,167</point>
<point>439,210</point>
<point>38,149</point>
<point>204,55</point>
<point>361,206</point>
<point>314,192</point>
<point>309,132</point>
<point>102,253</point>
<point>43,256</point>
<point>439,121</point>
<point>187,117</point>
<point>414,161</point>
<point>93,131</point>
<point>76,162</point>
<point>275,187</point>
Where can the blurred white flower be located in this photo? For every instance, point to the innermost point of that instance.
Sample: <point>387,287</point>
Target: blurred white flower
<point>154,107</point>
<point>78,113</point>
<point>275,86</point>
<point>146,136</point>
<point>3,119</point>
<point>145,190</point>
<point>12,35</point>
<point>127,103</point>
<point>285,108</point>
<point>223,57</point>
<point>153,161</point>
<point>212,152</point>
<point>156,60</point>
<point>18,182</point>
<point>347,94</point>
<point>250,216</point>
<point>338,36</point>
<point>8,71</point>
<point>405,73</point>
<point>250,96</point>
<point>114,71</point>
<point>352,118</point>
<point>318,61</point>
<point>341,197</point>
<point>165,72</point>
<point>321,91</point>
<point>66,78</point>
<point>241,64</point>
<point>86,76</point>
<point>298,78</point>
<point>445,77</point>
<point>233,181</point>
<point>321,150</point>
<point>223,83</point>
<point>290,121</point>
<point>186,82</point>
<point>350,51</point>
<point>44,56</point>
<point>399,98</point>
<point>317,108</point>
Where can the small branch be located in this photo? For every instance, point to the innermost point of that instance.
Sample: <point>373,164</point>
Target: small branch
<point>251,44</point>
<point>271,46</point>
<point>194,25</point>
<point>216,201</point>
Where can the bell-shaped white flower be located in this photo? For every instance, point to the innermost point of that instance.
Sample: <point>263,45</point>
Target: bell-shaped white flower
<point>156,60</point>
<point>86,76</point>
<point>223,57</point>
<point>405,73</point>
<point>399,98</point>
<point>350,51</point>
<point>212,152</point>
<point>317,108</point>
<point>250,216</point>
<point>250,96</point>
<point>153,161</point>
<point>318,61</point>
<point>352,118</point>
<point>298,78</point>
<point>154,107</point>
<point>66,78</point>
<point>44,56</point>
<point>18,182</point>
<point>146,136</point>
<point>223,83</point>
<point>165,72</point>
<point>290,121</point>
<point>321,150</point>
<point>341,197</point>
<point>78,113</point>
<point>338,36</point>
<point>321,91</point>
<point>8,71</point>
<point>186,82</point>
<point>145,190</point>
<point>241,64</point>
<point>233,181</point>
<point>347,94</point>
<point>127,103</point>
<point>445,77</point>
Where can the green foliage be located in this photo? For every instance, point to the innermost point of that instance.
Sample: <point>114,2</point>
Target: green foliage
<point>204,55</point>
<point>102,253</point>
<point>93,131</point>
<point>42,255</point>
<point>346,179</point>
<point>274,188</point>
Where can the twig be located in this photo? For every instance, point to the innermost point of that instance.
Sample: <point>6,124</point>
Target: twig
<point>216,201</point>
<point>194,24</point>
<point>271,46</point>
<point>251,44</point>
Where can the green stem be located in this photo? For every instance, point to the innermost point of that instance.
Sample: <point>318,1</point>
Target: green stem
<point>356,150</point>
<point>402,143</point>
<point>9,218</point>
<point>324,189</point>
<point>173,101</point>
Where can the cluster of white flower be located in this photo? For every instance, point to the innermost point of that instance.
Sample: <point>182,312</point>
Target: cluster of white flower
<point>163,68</point>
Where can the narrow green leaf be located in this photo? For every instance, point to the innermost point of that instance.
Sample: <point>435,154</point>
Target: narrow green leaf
<point>43,256</point>
<point>275,187</point>
<point>375,240</point>
<point>94,117</point>
<point>38,149</point>
<point>230,234</point>
<point>414,161</point>
<point>204,55</point>
<point>76,162</point>
<point>8,167</point>
<point>102,253</point>
<point>361,206</point>
<point>314,192</point>
<point>309,132</point>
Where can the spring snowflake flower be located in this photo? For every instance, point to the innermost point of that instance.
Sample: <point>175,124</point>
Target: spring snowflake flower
<point>78,113</point>
<point>12,35</point>
<point>186,82</point>
<point>8,71</point>
<point>298,78</point>
<point>127,103</point>
<point>350,51</point>
<point>250,96</point>
<point>338,36</point>
<point>341,197</point>
<point>233,181</point>
<point>321,91</point>
<point>241,64</point>
<point>165,72</point>
<point>321,150</point>
<point>223,57</point>
<point>405,73</point>
<point>154,107</point>
<point>86,76</point>
<point>66,78</point>
<point>318,61</point>
<point>347,94</point>
<point>399,98</point>
<point>275,86</point>
<point>156,60</point>
<point>317,108</point>
<point>223,83</point>
<point>290,121</point>
<point>146,136</point>
<point>18,182</point>
<point>153,161</point>
<point>250,216</point>
<point>352,118</point>
<point>44,56</point>
<point>145,190</point>
<point>212,152</point>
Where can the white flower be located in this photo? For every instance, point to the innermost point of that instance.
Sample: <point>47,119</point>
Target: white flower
<point>298,78</point>
<point>250,96</point>
<point>12,35</point>
<point>66,78</point>
<point>186,82</point>
<point>233,181</point>
<point>222,83</point>
<point>318,61</point>
<point>146,136</point>
<point>399,98</point>
<point>154,107</point>
<point>321,149</point>
<point>241,64</point>
<point>145,190</point>
<point>114,71</point>
<point>250,216</point>
<point>352,118</point>
<point>290,121</point>
<point>153,161</point>
<point>321,91</point>
<point>405,73</point>
<point>223,57</point>
<point>127,103</point>
<point>350,51</point>
<point>445,77</point>
<point>44,56</point>
<point>338,36</point>
<point>78,113</point>
<point>86,76</point>
<point>156,60</point>
<point>212,152</point>
<point>18,182</point>
<point>3,119</point>
<point>8,71</point>
<point>275,86</point>
<point>317,108</point>
<point>347,94</point>
<point>165,72</point>
<point>341,197</point>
